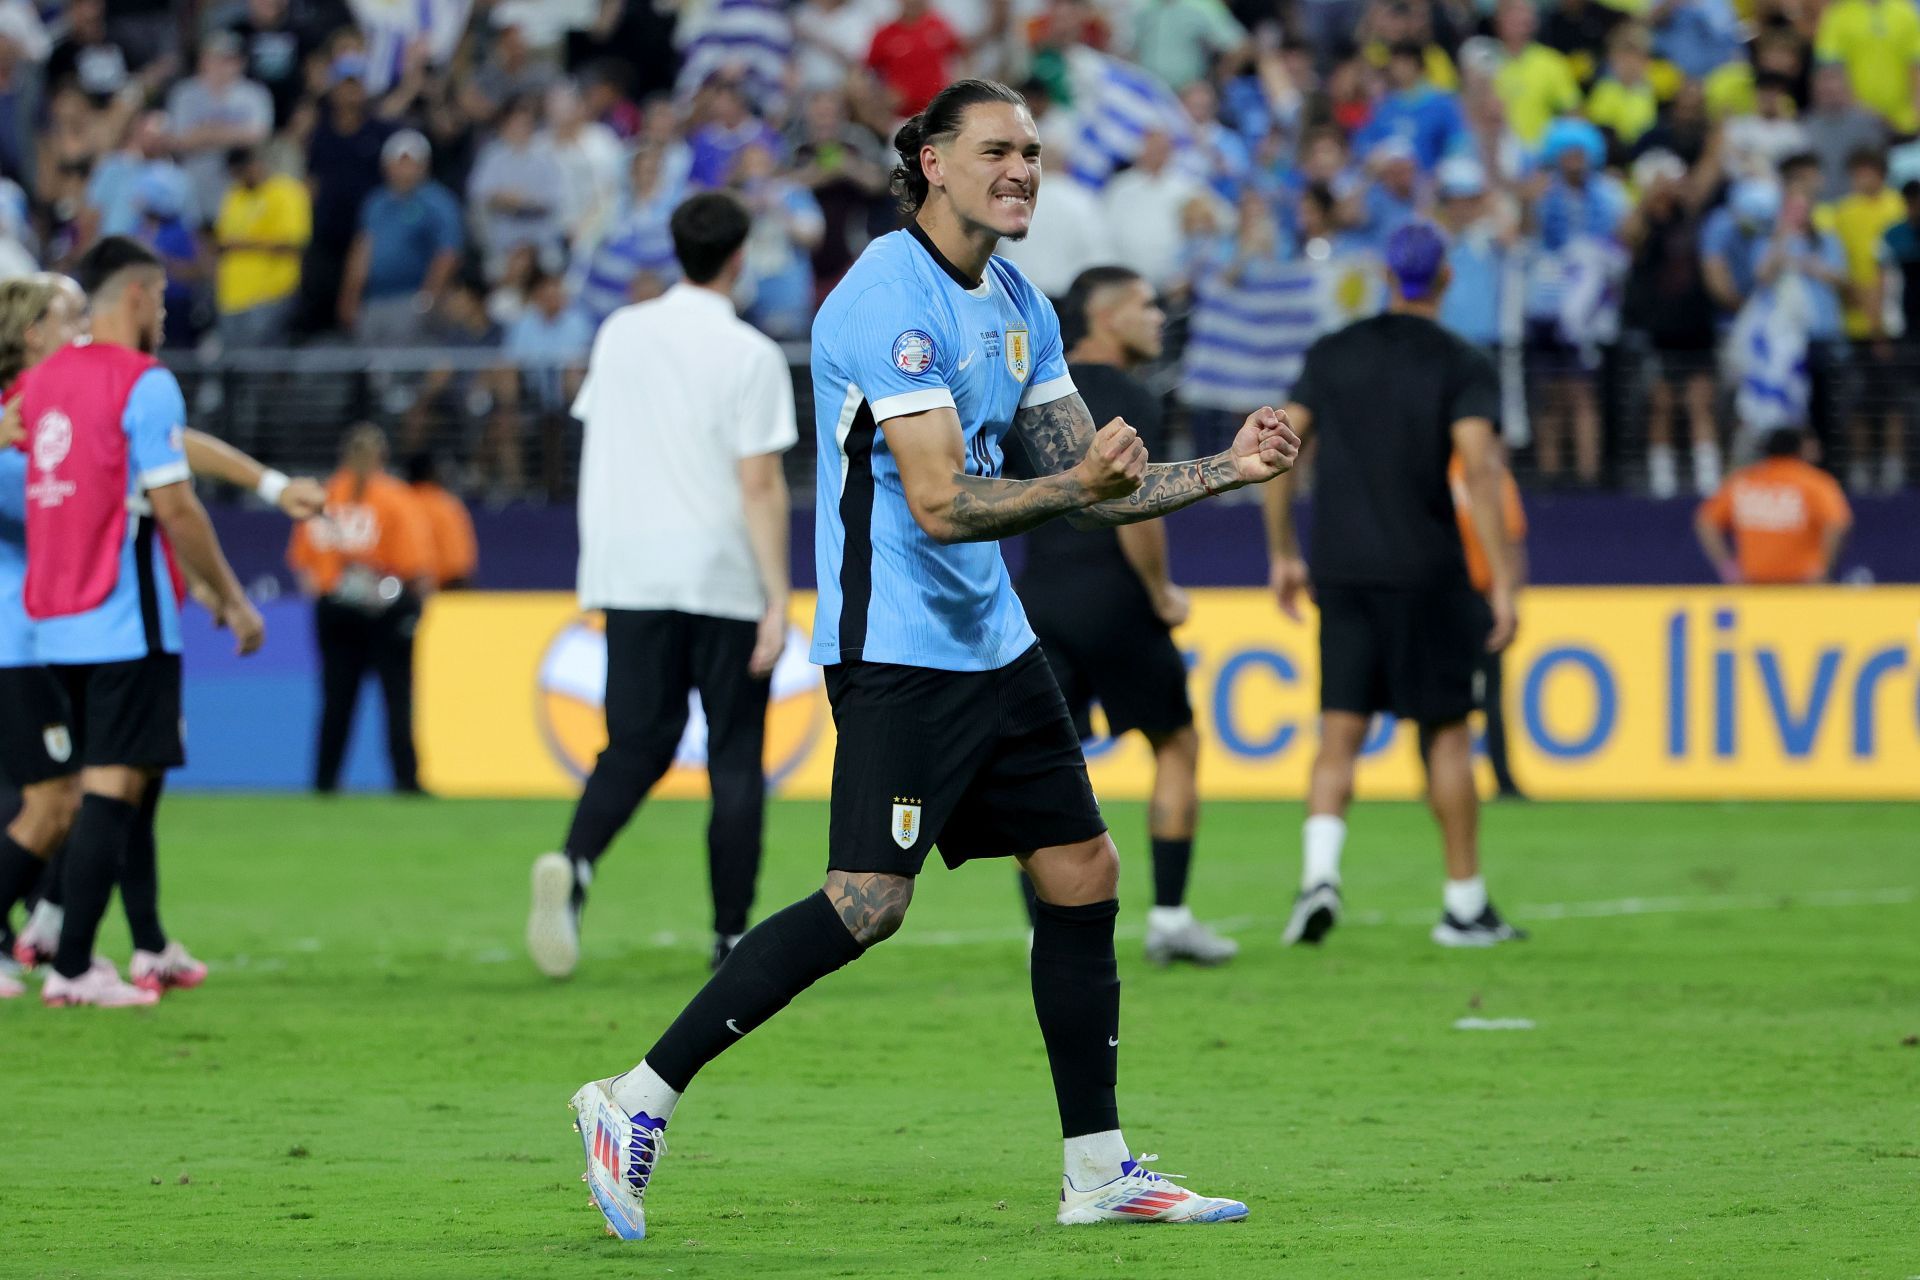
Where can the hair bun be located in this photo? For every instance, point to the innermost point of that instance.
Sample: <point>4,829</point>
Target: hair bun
<point>908,139</point>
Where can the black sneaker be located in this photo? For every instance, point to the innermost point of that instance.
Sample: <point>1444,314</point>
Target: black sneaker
<point>1485,931</point>
<point>723,945</point>
<point>1315,912</point>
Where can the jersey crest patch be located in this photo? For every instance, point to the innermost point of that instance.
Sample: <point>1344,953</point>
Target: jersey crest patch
<point>59,743</point>
<point>913,352</point>
<point>906,823</point>
<point>1019,352</point>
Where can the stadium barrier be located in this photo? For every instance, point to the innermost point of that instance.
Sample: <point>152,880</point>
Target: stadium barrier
<point>1621,693</point>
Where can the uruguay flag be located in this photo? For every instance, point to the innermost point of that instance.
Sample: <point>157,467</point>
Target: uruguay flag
<point>392,26</point>
<point>748,40</point>
<point>1116,104</point>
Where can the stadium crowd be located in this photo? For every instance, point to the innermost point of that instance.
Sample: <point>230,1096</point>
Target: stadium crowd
<point>1666,217</point>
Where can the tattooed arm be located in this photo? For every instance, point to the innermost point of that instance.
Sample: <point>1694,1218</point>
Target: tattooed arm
<point>952,506</point>
<point>1058,433</point>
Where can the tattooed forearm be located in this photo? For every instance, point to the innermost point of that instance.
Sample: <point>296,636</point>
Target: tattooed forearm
<point>871,904</point>
<point>984,508</point>
<point>1057,434</point>
<point>1169,486</point>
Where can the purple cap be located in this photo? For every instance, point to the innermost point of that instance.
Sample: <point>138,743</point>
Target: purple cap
<point>1415,253</point>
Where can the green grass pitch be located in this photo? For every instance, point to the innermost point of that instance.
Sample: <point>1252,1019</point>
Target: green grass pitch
<point>1722,1078</point>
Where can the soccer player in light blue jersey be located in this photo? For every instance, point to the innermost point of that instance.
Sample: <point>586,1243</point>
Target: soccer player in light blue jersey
<point>930,360</point>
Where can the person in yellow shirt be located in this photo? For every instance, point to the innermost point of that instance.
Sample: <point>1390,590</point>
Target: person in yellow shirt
<point>1623,102</point>
<point>1879,42</point>
<point>1861,220</point>
<point>264,224</point>
<point>1536,83</point>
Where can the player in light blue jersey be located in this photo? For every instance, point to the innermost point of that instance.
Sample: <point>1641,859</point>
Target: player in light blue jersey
<point>931,359</point>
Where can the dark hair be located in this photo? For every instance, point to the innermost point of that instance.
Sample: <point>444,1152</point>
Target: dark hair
<point>241,157</point>
<point>944,117</point>
<point>1783,442</point>
<point>1798,162</point>
<point>708,229</point>
<point>1910,188</point>
<point>1321,197</point>
<point>1867,158</point>
<point>99,265</point>
<point>421,468</point>
<point>1074,320</point>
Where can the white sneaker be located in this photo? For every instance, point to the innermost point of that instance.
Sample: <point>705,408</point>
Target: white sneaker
<point>35,945</point>
<point>169,969</point>
<point>1141,1195</point>
<point>99,986</point>
<point>1187,940</point>
<point>553,925</point>
<point>621,1152</point>
<point>1315,912</point>
<point>1663,472</point>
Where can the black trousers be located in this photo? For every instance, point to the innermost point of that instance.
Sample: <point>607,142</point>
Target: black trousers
<point>655,658</point>
<point>353,643</point>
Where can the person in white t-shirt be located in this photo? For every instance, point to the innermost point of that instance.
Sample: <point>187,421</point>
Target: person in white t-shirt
<point>683,545</point>
<point>1146,212</point>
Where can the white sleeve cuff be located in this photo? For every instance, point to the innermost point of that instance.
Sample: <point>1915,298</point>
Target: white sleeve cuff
<point>160,477</point>
<point>911,402</point>
<point>1047,392</point>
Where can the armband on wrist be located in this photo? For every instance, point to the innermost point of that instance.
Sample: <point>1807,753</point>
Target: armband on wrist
<point>272,485</point>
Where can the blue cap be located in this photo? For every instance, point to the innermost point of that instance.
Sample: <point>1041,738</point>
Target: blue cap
<point>1416,251</point>
<point>1573,135</point>
<point>161,191</point>
<point>348,66</point>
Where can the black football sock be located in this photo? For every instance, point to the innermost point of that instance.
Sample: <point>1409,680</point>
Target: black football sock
<point>94,853</point>
<point>11,803</point>
<point>53,881</point>
<point>1172,859</point>
<point>19,873</point>
<point>775,961</point>
<point>140,878</point>
<point>1076,993</point>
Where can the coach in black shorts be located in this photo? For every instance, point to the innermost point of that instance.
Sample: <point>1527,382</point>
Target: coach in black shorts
<point>1104,607</point>
<point>1391,398</point>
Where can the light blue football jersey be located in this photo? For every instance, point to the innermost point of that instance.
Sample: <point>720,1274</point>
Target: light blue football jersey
<point>16,631</point>
<point>902,333</point>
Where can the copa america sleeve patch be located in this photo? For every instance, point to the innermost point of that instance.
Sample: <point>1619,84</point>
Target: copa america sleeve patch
<point>913,352</point>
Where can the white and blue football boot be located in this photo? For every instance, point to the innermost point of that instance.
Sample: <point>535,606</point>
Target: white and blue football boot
<point>1141,1195</point>
<point>621,1152</point>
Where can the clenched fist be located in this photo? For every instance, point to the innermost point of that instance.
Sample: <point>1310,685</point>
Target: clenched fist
<point>1266,445</point>
<point>1116,464</point>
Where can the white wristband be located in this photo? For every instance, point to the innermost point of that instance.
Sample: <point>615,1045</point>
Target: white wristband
<point>272,485</point>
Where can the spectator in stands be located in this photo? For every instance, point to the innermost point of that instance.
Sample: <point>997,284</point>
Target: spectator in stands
<point>1581,29</point>
<point>635,261</point>
<point>1393,196</point>
<point>111,210</point>
<point>1837,127</point>
<point>1805,266</point>
<point>1145,206</point>
<point>215,111</point>
<point>1427,119</point>
<point>457,399</point>
<point>1670,313</point>
<point>456,552</point>
<point>1623,101</point>
<point>1253,319</point>
<point>591,160</point>
<point>1534,82</point>
<point>276,50</point>
<point>17,257</point>
<point>1777,49</point>
<point>832,39</point>
<point>1729,245</point>
<point>1697,36</point>
<point>72,145</point>
<point>548,346</point>
<point>1878,41</point>
<point>717,144</point>
<point>1900,279</point>
<point>1786,517</point>
<point>1577,219</point>
<point>162,201</point>
<point>1860,221</point>
<point>406,251</point>
<point>19,95</point>
<point>1757,141</point>
<point>787,228</point>
<point>1178,40</point>
<point>262,230</point>
<point>1686,130</point>
<point>343,170</point>
<point>87,57</point>
<point>914,56</point>
<point>510,71</point>
<point>841,164</point>
<point>1480,254</point>
<point>1226,153</point>
<point>517,190</point>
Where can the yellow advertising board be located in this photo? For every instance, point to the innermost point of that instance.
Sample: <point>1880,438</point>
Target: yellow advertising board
<point>1624,693</point>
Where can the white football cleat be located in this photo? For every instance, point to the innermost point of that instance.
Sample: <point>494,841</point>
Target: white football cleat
<point>553,925</point>
<point>1141,1195</point>
<point>1188,940</point>
<point>36,944</point>
<point>621,1152</point>
<point>170,969</point>
<point>99,986</point>
<point>1315,912</point>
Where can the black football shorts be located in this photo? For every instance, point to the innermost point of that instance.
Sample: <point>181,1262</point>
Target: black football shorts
<point>36,727</point>
<point>126,713</point>
<point>1106,645</point>
<point>1410,651</point>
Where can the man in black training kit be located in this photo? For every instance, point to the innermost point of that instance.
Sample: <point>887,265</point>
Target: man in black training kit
<point>927,356</point>
<point>1104,607</point>
<point>1391,398</point>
